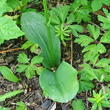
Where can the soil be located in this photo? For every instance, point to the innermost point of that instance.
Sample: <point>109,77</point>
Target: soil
<point>33,96</point>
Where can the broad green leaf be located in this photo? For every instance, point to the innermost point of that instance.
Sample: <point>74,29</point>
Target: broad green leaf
<point>84,40</point>
<point>103,62</point>
<point>22,58</point>
<point>78,105</point>
<point>9,29</point>
<point>106,37</point>
<point>95,32</point>
<point>36,59</point>
<point>84,83</point>
<point>34,26</point>
<point>4,7</point>
<point>21,68</point>
<point>21,105</point>
<point>10,94</point>
<point>89,48</point>
<point>8,74</point>
<point>61,86</point>
<point>96,5</point>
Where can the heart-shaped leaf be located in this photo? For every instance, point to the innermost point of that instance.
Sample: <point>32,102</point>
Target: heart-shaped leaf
<point>34,26</point>
<point>62,85</point>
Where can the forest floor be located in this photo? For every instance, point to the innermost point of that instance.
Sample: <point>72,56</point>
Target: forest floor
<point>33,96</point>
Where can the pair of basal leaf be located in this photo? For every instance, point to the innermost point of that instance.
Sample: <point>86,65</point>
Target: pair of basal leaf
<point>29,68</point>
<point>92,46</point>
<point>61,85</point>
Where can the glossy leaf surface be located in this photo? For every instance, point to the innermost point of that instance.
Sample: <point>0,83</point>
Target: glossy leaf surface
<point>34,26</point>
<point>61,86</point>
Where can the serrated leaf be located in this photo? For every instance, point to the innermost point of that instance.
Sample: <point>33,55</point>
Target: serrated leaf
<point>54,19</point>
<point>106,22</point>
<point>30,71</point>
<point>62,12</point>
<point>3,7</point>
<point>32,49</point>
<point>39,69</point>
<point>21,68</point>
<point>84,40</point>
<point>74,6</point>
<point>91,73</point>
<point>10,94</point>
<point>103,62</point>
<point>9,29</point>
<point>91,52</point>
<point>22,58</point>
<point>83,2</point>
<point>78,28</point>
<point>76,103</point>
<point>94,59</point>
<point>21,105</point>
<point>106,37</point>
<point>95,32</point>
<point>36,59</point>
<point>82,14</point>
<point>84,83</point>
<point>8,74</point>
<point>12,3</point>
<point>106,2</point>
<point>89,48</point>
<point>71,18</point>
<point>27,44</point>
<point>75,28</point>
<point>101,48</point>
<point>94,5</point>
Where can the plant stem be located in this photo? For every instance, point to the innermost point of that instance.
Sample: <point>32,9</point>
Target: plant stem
<point>48,31</point>
<point>21,7</point>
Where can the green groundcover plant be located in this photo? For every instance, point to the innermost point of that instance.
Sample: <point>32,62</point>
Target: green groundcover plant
<point>58,80</point>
